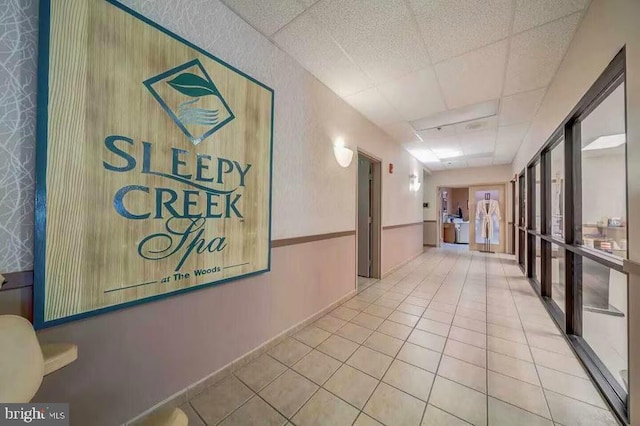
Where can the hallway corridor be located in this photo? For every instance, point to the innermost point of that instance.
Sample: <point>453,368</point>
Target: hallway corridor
<point>451,338</point>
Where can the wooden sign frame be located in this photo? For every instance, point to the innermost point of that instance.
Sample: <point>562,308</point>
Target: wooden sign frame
<point>243,106</point>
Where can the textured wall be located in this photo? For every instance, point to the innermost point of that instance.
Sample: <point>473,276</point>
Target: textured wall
<point>18,51</point>
<point>311,193</point>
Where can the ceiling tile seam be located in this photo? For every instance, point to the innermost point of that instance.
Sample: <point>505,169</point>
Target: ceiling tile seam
<point>245,21</point>
<point>582,12</point>
<point>344,52</point>
<point>426,49</point>
<point>272,41</point>
<point>306,9</point>
<point>506,63</point>
<point>508,37</point>
<point>353,62</point>
<point>514,5</point>
<point>527,91</point>
<point>376,86</point>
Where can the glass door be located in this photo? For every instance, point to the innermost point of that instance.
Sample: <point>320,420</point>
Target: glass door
<point>487,218</point>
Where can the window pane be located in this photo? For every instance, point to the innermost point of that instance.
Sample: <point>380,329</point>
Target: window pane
<point>604,193</point>
<point>604,298</point>
<point>538,260</point>
<point>556,223</point>
<point>538,201</point>
<point>557,275</point>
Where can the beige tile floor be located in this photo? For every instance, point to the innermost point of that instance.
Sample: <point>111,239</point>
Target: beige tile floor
<point>364,283</point>
<point>452,338</point>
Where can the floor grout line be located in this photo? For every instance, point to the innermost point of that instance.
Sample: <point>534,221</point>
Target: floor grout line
<point>486,340</point>
<point>448,333</point>
<point>425,272</point>
<point>360,411</point>
<point>395,357</point>
<point>546,401</point>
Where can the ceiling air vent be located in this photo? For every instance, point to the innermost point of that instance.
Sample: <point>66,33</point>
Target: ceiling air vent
<point>476,125</point>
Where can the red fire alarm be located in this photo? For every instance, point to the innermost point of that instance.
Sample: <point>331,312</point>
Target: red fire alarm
<point>391,168</point>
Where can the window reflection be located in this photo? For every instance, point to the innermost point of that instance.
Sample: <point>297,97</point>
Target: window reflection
<point>604,316</point>
<point>604,189</point>
<point>556,221</point>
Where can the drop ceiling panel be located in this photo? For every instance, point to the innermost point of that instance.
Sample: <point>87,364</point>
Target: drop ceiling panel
<point>480,162</point>
<point>380,36</point>
<point>379,56</point>
<point>506,151</point>
<point>473,77</point>
<point>478,142</point>
<point>489,123</point>
<point>531,13</point>
<point>373,106</point>
<point>415,95</point>
<point>267,16</point>
<point>536,54</point>
<point>498,160</point>
<point>314,49</point>
<point>512,135</point>
<point>520,107</point>
<point>402,132</point>
<point>451,28</point>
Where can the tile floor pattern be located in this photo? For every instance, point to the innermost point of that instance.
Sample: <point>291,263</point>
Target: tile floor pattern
<point>364,283</point>
<point>452,338</point>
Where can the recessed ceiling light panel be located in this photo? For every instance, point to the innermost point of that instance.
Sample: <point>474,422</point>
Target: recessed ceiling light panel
<point>424,155</point>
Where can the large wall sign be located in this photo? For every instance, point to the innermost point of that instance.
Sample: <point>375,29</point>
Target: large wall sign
<point>153,163</point>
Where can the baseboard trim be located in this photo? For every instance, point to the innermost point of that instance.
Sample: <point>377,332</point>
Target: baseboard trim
<point>198,387</point>
<point>400,265</point>
<point>428,245</point>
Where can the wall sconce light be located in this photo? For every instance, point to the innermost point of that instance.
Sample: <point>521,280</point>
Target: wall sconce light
<point>343,154</point>
<point>414,183</point>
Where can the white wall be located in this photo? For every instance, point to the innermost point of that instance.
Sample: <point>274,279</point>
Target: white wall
<point>457,178</point>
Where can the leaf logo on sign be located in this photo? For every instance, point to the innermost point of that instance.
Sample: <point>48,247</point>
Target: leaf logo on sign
<point>196,87</point>
<point>190,97</point>
<point>193,85</point>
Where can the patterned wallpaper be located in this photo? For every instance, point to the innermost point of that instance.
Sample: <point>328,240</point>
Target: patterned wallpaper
<point>18,53</point>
